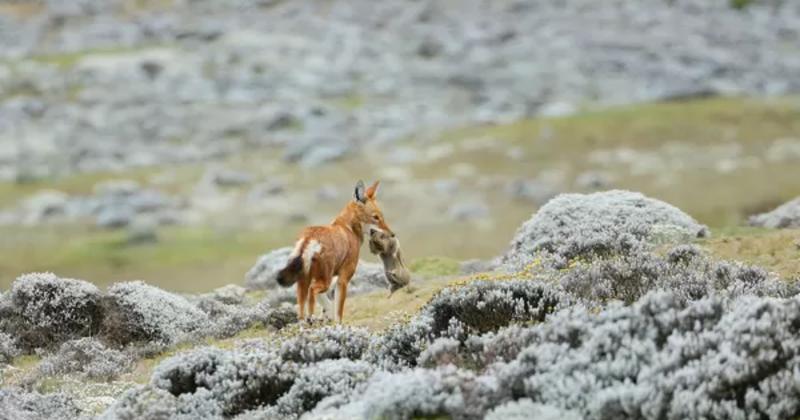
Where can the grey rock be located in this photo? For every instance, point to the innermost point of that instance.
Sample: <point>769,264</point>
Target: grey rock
<point>593,180</point>
<point>327,193</point>
<point>115,217</point>
<point>263,274</point>
<point>316,151</point>
<point>468,210</point>
<point>536,191</point>
<point>446,186</point>
<point>117,188</point>
<point>229,178</point>
<point>142,231</point>
<point>265,190</point>
<point>45,205</point>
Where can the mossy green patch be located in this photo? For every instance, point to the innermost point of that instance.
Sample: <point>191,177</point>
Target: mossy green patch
<point>70,59</point>
<point>434,266</point>
<point>184,259</point>
<point>349,102</point>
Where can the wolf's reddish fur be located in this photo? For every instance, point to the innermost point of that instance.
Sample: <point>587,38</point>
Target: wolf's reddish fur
<point>325,252</point>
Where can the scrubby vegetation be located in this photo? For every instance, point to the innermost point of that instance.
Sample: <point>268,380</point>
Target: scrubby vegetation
<point>18,404</point>
<point>629,316</point>
<point>42,310</point>
<point>140,312</point>
<point>685,270</point>
<point>785,216</point>
<point>8,348</point>
<point>598,225</point>
<point>89,357</point>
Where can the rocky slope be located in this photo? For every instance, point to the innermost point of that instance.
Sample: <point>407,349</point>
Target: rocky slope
<point>105,85</point>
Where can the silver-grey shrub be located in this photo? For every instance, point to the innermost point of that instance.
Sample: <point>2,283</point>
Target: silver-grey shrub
<point>785,216</point>
<point>401,344</point>
<point>665,358</point>
<point>148,402</point>
<point>89,357</point>
<point>18,404</point>
<point>8,348</point>
<point>138,312</point>
<point>599,224</point>
<point>237,380</point>
<point>320,380</point>
<point>478,352</point>
<point>330,342</point>
<point>526,409</point>
<point>449,391</point>
<point>685,270</point>
<point>459,312</point>
<point>226,320</point>
<point>43,310</point>
<point>482,306</point>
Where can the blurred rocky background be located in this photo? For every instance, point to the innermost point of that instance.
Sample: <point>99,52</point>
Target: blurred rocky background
<point>175,141</point>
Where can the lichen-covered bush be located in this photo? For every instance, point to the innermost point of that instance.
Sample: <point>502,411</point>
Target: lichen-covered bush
<point>330,342</point>
<point>785,216</point>
<point>8,348</point>
<point>230,294</point>
<point>137,312</point>
<point>226,320</point>
<point>598,224</point>
<point>318,381</point>
<point>684,270</point>
<point>43,310</point>
<point>17,404</point>
<point>459,312</point>
<point>277,297</point>
<point>412,393</point>
<point>148,402</point>
<point>665,358</point>
<point>483,306</point>
<point>401,344</point>
<point>526,409</point>
<point>89,357</point>
<point>477,351</point>
<point>237,380</point>
<point>442,351</point>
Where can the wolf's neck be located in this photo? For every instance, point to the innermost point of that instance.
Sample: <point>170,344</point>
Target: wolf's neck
<point>347,219</point>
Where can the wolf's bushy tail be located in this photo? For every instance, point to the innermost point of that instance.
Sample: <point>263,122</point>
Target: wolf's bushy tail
<point>293,270</point>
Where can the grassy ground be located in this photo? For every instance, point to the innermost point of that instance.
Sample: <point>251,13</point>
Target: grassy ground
<point>775,250</point>
<point>183,259</point>
<point>716,198</point>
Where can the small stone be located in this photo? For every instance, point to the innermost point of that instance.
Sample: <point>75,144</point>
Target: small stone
<point>468,210</point>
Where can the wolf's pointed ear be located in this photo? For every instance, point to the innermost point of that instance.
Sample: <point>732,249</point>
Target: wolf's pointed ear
<point>372,189</point>
<point>359,195</point>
